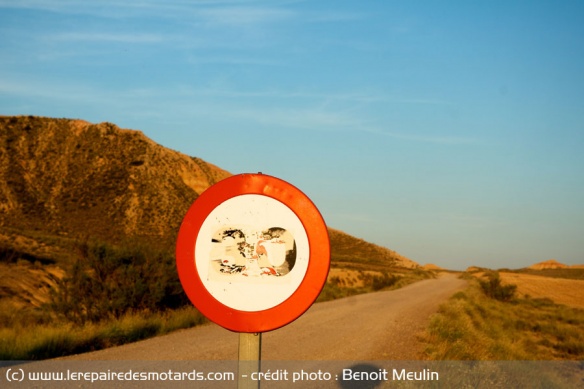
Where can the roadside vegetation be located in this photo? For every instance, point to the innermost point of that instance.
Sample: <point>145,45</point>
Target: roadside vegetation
<point>107,282</point>
<point>349,282</point>
<point>116,294</point>
<point>110,296</point>
<point>32,341</point>
<point>488,321</point>
<point>360,267</point>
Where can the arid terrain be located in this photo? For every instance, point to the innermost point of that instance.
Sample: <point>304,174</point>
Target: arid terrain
<point>559,290</point>
<point>549,279</point>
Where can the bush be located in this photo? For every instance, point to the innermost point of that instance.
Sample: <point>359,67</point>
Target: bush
<point>385,280</point>
<point>493,288</point>
<point>108,282</point>
<point>332,291</point>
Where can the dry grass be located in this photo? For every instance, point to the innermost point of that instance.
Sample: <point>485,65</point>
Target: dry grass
<point>472,326</point>
<point>560,290</point>
<point>30,341</point>
<point>348,277</point>
<point>343,282</point>
<point>28,285</point>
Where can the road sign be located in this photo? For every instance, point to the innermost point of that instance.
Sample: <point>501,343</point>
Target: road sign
<point>253,253</point>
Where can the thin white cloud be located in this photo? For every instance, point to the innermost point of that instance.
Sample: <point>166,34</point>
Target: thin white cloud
<point>357,217</point>
<point>333,16</point>
<point>436,139</point>
<point>242,16</point>
<point>473,220</point>
<point>422,101</point>
<point>233,60</point>
<point>226,12</point>
<point>414,136</point>
<point>325,120</point>
<point>301,94</point>
<point>297,118</point>
<point>219,13</point>
<point>230,105</point>
<point>309,111</point>
<point>279,94</point>
<point>106,37</point>
<point>55,91</point>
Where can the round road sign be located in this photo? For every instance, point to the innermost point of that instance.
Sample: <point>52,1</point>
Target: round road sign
<point>253,253</point>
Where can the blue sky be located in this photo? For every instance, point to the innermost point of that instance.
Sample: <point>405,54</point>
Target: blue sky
<point>451,132</point>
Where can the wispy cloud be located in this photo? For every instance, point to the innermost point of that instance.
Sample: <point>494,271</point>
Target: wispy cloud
<point>333,16</point>
<point>306,94</point>
<point>204,59</point>
<point>357,217</point>
<point>217,13</point>
<point>220,12</point>
<point>242,16</point>
<point>472,220</point>
<point>436,139</point>
<point>197,25</point>
<point>311,110</point>
<point>281,94</point>
<point>106,37</point>
<point>295,118</point>
<point>19,86</point>
<point>307,110</point>
<point>313,118</point>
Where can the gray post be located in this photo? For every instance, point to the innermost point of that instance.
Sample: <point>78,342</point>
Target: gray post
<point>250,352</point>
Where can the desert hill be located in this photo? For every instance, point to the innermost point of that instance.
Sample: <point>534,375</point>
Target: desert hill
<point>348,249</point>
<point>431,266</point>
<point>63,181</point>
<point>74,178</point>
<point>549,264</point>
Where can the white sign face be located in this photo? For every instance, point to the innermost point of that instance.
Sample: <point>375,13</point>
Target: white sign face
<point>252,252</point>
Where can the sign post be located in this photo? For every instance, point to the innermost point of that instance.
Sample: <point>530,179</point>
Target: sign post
<point>252,255</point>
<point>249,354</point>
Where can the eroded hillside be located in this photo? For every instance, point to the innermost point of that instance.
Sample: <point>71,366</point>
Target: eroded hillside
<point>73,178</point>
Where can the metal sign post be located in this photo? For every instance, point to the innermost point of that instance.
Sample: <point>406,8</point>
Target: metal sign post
<point>250,351</point>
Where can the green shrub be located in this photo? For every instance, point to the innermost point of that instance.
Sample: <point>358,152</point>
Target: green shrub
<point>385,280</point>
<point>494,288</point>
<point>108,282</point>
<point>332,291</point>
<point>377,282</point>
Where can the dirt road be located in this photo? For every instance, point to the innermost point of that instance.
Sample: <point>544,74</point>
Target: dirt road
<point>373,326</point>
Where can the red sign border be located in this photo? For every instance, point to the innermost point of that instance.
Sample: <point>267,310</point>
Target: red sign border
<point>318,264</point>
